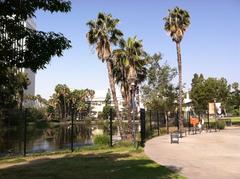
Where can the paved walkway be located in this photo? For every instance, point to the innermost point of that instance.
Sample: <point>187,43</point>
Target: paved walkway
<point>213,155</point>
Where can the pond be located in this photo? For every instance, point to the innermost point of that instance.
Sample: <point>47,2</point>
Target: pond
<point>47,137</point>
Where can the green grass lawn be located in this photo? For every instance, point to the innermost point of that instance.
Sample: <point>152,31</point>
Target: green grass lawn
<point>122,163</point>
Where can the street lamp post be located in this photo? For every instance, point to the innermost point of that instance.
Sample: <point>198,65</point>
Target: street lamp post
<point>215,113</point>
<point>72,128</point>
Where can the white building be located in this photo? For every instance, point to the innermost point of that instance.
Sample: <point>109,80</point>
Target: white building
<point>31,75</point>
<point>98,102</point>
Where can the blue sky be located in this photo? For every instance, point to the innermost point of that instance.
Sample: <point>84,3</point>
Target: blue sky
<point>210,46</point>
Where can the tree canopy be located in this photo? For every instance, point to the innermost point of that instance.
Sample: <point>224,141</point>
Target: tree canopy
<point>207,90</point>
<point>159,93</point>
<point>21,46</point>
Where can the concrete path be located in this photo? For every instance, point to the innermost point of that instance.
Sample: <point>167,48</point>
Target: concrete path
<point>213,155</point>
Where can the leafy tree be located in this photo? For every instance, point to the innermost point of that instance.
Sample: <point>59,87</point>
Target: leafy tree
<point>197,94</point>
<point>207,90</point>
<point>176,23</point>
<point>103,34</point>
<point>39,46</point>
<point>106,112</point>
<point>233,103</point>
<point>12,86</point>
<point>159,93</point>
<point>108,98</point>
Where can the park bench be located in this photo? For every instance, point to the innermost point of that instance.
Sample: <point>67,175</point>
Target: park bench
<point>183,131</point>
<point>175,137</point>
<point>195,130</point>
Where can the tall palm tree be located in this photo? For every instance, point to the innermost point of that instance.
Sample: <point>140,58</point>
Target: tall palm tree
<point>176,23</point>
<point>129,63</point>
<point>103,33</point>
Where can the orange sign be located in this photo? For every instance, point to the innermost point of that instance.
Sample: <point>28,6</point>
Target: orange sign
<point>194,121</point>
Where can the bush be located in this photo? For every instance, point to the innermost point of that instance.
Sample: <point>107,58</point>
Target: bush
<point>163,131</point>
<point>221,124</point>
<point>101,140</point>
<point>34,114</point>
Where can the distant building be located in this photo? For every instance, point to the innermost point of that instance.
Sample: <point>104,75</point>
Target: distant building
<point>29,23</point>
<point>98,102</point>
<point>31,75</point>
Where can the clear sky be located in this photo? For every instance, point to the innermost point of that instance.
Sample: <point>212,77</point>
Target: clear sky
<point>210,46</point>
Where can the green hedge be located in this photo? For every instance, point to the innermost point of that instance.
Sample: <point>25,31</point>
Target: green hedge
<point>220,124</point>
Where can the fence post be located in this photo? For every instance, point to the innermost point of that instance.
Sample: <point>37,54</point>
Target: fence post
<point>189,123</point>
<point>110,126</point>
<point>72,129</point>
<point>25,134</point>
<point>208,121</point>
<point>143,129</point>
<point>158,126</point>
<point>150,119</point>
<point>167,121</point>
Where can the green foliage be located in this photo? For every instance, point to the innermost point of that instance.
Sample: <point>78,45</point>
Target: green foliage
<point>64,102</point>
<point>159,92</point>
<point>12,86</point>
<point>101,140</point>
<point>34,114</point>
<point>40,46</point>
<point>106,112</point>
<point>124,143</point>
<point>103,33</point>
<point>108,98</point>
<point>176,23</point>
<point>233,103</point>
<point>221,124</point>
<point>205,91</point>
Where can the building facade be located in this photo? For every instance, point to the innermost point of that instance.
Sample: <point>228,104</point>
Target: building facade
<point>30,74</point>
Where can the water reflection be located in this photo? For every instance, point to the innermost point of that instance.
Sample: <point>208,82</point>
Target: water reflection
<point>50,137</point>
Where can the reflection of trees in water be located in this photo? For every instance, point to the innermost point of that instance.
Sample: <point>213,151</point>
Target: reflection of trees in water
<point>61,134</point>
<point>58,137</point>
<point>10,140</point>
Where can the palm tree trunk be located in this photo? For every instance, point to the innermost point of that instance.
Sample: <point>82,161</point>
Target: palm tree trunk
<point>179,59</point>
<point>114,96</point>
<point>129,114</point>
<point>21,100</point>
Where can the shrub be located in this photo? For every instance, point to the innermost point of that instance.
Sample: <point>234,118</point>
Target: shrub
<point>221,124</point>
<point>101,140</point>
<point>163,131</point>
<point>149,133</point>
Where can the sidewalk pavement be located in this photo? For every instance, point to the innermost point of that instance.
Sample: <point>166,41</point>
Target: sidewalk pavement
<point>214,155</point>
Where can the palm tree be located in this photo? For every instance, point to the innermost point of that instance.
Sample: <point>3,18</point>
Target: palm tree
<point>62,92</point>
<point>128,66</point>
<point>103,33</point>
<point>176,23</point>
